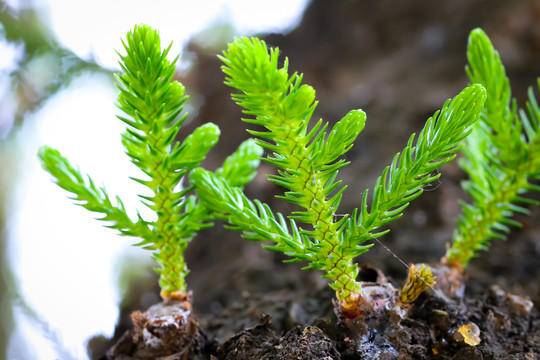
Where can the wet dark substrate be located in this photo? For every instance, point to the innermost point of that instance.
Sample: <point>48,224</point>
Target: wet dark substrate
<point>508,330</point>
<point>284,325</point>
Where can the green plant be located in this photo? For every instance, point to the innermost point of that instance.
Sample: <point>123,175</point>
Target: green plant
<point>152,104</point>
<point>500,157</point>
<point>308,162</point>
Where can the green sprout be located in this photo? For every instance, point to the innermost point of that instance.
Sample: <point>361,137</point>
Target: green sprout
<point>309,161</point>
<point>152,104</point>
<point>500,157</point>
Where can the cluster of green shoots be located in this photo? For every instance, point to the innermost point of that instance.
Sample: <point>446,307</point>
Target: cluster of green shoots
<point>499,149</point>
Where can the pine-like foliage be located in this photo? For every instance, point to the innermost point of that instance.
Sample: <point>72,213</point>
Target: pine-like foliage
<point>501,156</point>
<point>309,160</point>
<point>152,104</point>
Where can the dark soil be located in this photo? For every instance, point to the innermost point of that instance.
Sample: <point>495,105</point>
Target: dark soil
<point>305,328</point>
<point>398,61</point>
<point>428,331</point>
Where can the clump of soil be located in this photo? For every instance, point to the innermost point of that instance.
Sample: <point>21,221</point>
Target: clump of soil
<point>262,342</point>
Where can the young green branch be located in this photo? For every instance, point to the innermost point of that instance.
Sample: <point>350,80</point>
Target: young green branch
<point>500,157</point>
<point>152,104</point>
<point>414,168</point>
